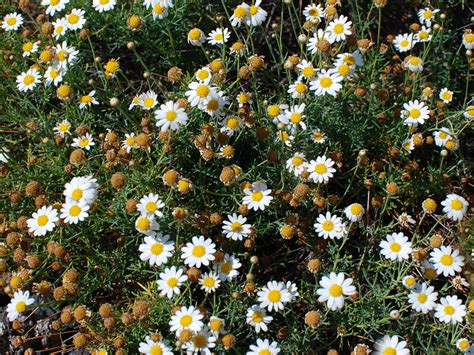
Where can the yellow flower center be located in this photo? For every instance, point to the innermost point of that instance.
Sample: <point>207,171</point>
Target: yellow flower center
<point>20,307</point>
<point>112,66</point>
<point>74,211</point>
<point>410,282</point>
<point>427,14</point>
<point>283,135</point>
<point>63,127</point>
<point>86,99</point>
<point>469,37</point>
<point>186,320</point>
<point>156,350</point>
<point>423,34</point>
<point>42,220</point>
<point>232,123</point>
<point>356,209</point>
<point>240,12</point>
<point>449,310</point>
<point>446,96</point>
<point>253,10</point>
<point>215,325</point>
<point>257,196</point>
<point>415,60</point>
<point>443,135</point>
<point>59,29</point>
<point>73,19</point>
<point>158,9</point>
<point>11,21</point>
<point>463,344</point>
<point>143,223</point>
<point>456,205</point>
<point>209,282</point>
<point>53,2</point>
<point>395,247</point>
<point>422,298</point>
<point>257,317</point>
<point>447,260</point>
<point>264,352</point>
<point>28,46</point>
<point>148,102</point>
<point>172,282</point>
<point>317,136</point>
<point>300,88</point>
<point>171,116</point>
<point>296,118</point>
<point>236,227</point>
<point>62,55</point>
<point>328,225</point>
<point>156,249</point>
<point>199,251</point>
<point>404,43</point>
<point>325,82</point>
<point>273,110</point>
<point>84,142</point>
<point>202,91</point>
<point>194,34</point>
<point>297,161</point>
<point>203,74</point>
<point>218,36</point>
<point>390,351</point>
<point>130,141</point>
<point>151,207</point>
<point>199,341</point>
<point>415,113</point>
<point>308,72</point>
<point>212,105</point>
<point>335,290</point>
<point>77,194</point>
<point>274,296</point>
<point>28,79</point>
<point>338,29</point>
<point>226,268</point>
<point>320,168</point>
<point>344,70</point>
<point>313,12</point>
<point>54,73</point>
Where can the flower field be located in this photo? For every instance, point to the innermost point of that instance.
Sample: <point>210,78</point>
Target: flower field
<point>212,177</point>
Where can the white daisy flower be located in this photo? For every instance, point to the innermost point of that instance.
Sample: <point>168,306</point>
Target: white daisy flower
<point>285,137</point>
<point>319,35</point>
<point>464,345</point>
<point>215,104</point>
<point>230,125</point>
<point>313,12</point>
<point>209,282</point>
<point>201,342</point>
<point>74,212</point>
<point>423,298</point>
<point>54,75</point>
<point>170,116</point>
<point>130,142</point>
<point>198,252</point>
<point>405,219</point>
<point>151,204</point>
<point>330,226</point>
<point>294,116</point>
<point>12,21</point>
<point>339,28</point>
<point>196,37</point>
<point>147,225</point>
<point>446,95</point>
<point>54,6</point>
<point>273,296</point>
<point>321,169</point>
<point>65,55</point>
<point>199,93</point>
<point>318,136</point>
<point>156,250</point>
<point>216,326</point>
<point>256,15</point>
<point>257,317</point>
<point>298,90</point>
<point>391,345</point>
<point>415,113</point>
<point>147,100</point>
<point>204,75</point>
<point>88,100</point>
<point>423,35</point>
<point>159,11</point>
<point>186,318</point>
<point>455,206</point>
<point>239,15</point>
<point>170,281</point>
<point>414,63</point>
<point>81,188</point>
<point>396,247</point>
<point>18,305</point>
<point>42,221</point>
<point>75,19</point>
<point>228,269</point>
<point>306,69</point>
<point>29,48</point>
<point>235,228</point>
<point>264,347</point>
<point>408,144</point>
<point>257,197</point>
<point>404,42</point>
<point>427,15</point>
<point>27,81</point>
<point>84,142</point>
<point>333,289</point>
<point>277,112</point>
<point>62,128</point>
<point>218,36</point>
<point>342,69</point>
<point>326,82</point>
<point>450,310</point>
<point>59,28</point>
<point>409,282</point>
<point>150,347</point>
<point>442,136</point>
<point>354,212</point>
<point>103,5</point>
<point>353,59</point>
<point>446,260</point>
<point>296,164</point>
<point>468,40</point>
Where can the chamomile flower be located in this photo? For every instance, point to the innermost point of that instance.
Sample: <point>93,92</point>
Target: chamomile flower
<point>228,268</point>
<point>54,6</point>
<point>446,95</point>
<point>468,39</point>
<point>199,93</point>
<point>327,82</point>
<point>342,69</point>
<point>339,28</point>
<point>423,298</point>
<point>29,48</point>
<point>306,69</point>
<point>464,345</point>
<point>28,80</point>
<point>257,317</point>
<point>273,296</point>
<point>414,63</point>
<point>256,15</point>
<point>446,260</point>
<point>396,247</point>
<point>130,142</point>
<point>313,12</point>
<point>293,290</point>
<point>65,55</point>
<point>81,189</point>
<point>354,212</point>
<point>296,164</point>
<point>230,125</point>
<point>330,226</point>
<point>170,116</point>
<point>159,11</point>
<point>317,136</point>
<point>264,347</point>
<point>236,228</point>
<point>151,204</point>
<point>258,196</point>
<point>186,318</point>
<point>147,225</point>
<point>42,221</point>
<point>442,136</point>
<point>204,75</point>
<point>405,219</point>
<point>423,35</point>
<point>321,169</point>
<point>333,289</point>
<point>408,144</point>
<point>75,19</point>
<point>53,75</point>
<point>59,28</point>
<point>62,128</point>
<point>156,250</point>
<point>150,347</point>
<point>147,100</point>
<point>216,326</point>
<point>391,345</point>
<point>218,36</point>
<point>409,282</point>
<point>103,5</point>
<point>19,305</point>
<point>298,90</point>
<point>450,310</point>
<point>318,36</point>
<point>404,42</point>
<point>12,21</point>
<point>455,207</point>
<point>469,113</point>
<point>415,113</point>
<point>427,15</point>
<point>201,342</point>
<point>240,15</point>
<point>196,37</point>
<point>170,281</point>
<point>277,112</point>
<point>285,137</point>
<point>215,104</point>
<point>198,252</point>
<point>209,282</point>
<point>74,212</point>
<point>295,116</point>
<point>88,100</point>
<point>428,270</point>
<point>85,142</point>
<point>353,59</point>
